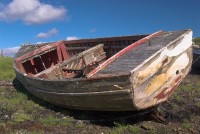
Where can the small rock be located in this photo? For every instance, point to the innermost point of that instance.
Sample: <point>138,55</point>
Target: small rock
<point>147,125</point>
<point>79,122</point>
<point>6,116</point>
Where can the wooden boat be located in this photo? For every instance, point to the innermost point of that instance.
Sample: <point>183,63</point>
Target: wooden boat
<point>107,74</point>
<point>196,60</point>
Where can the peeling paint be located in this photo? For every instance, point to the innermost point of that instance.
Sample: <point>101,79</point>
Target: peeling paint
<point>154,83</point>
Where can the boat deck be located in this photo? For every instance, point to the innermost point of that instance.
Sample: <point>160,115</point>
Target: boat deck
<point>139,54</point>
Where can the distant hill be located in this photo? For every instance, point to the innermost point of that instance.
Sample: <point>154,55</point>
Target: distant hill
<point>197,41</point>
<point>9,52</point>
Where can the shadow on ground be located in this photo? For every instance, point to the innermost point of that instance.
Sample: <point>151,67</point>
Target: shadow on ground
<point>108,119</point>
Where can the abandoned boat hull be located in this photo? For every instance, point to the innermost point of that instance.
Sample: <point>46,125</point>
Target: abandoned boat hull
<point>148,84</point>
<point>102,94</point>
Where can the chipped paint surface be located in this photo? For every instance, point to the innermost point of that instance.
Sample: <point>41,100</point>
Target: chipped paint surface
<point>164,57</point>
<point>156,83</point>
<point>158,80</point>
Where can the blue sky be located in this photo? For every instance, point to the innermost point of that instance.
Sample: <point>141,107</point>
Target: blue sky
<point>51,20</point>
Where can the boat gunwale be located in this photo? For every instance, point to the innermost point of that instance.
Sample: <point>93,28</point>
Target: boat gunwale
<point>55,44</point>
<point>128,74</point>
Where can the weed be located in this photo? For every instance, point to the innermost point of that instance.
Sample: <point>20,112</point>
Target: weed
<point>120,128</point>
<point>20,116</point>
<point>186,125</point>
<point>2,124</point>
<point>176,107</point>
<point>197,104</point>
<point>187,87</point>
<point>80,125</point>
<point>52,121</point>
<point>178,97</point>
<point>153,131</point>
<point>197,41</point>
<point>23,131</point>
<point>134,129</point>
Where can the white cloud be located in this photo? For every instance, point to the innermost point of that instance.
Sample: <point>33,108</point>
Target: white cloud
<point>31,12</point>
<point>72,38</point>
<point>10,51</point>
<point>50,33</point>
<point>40,43</point>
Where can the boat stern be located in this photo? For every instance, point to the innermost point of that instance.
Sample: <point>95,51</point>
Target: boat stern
<point>159,76</point>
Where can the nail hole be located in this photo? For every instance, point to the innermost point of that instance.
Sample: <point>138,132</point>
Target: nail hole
<point>177,72</point>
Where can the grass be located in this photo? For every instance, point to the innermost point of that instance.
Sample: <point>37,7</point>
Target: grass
<point>53,121</point>
<point>186,124</point>
<point>197,41</point>
<point>122,129</point>
<point>11,100</point>
<point>134,129</point>
<point>25,132</point>
<point>6,68</point>
<point>21,116</point>
<point>17,108</point>
<point>187,87</point>
<point>197,104</point>
<point>119,129</point>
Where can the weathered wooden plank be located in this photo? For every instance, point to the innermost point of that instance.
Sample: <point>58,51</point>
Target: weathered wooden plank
<point>120,54</point>
<point>135,57</point>
<point>120,100</point>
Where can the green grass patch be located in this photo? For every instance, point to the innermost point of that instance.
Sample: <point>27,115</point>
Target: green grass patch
<point>134,129</point>
<point>21,116</point>
<point>153,131</point>
<point>197,104</point>
<point>187,87</point>
<point>176,107</point>
<point>80,125</point>
<point>12,101</point>
<point>52,121</point>
<point>119,129</point>
<point>186,124</point>
<point>197,41</point>
<point>18,104</point>
<point>6,68</point>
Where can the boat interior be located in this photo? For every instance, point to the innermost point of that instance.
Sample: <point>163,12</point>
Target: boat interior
<point>70,59</point>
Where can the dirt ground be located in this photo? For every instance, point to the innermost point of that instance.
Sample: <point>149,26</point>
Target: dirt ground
<point>22,113</point>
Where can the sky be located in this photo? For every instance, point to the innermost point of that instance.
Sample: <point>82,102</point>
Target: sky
<point>38,21</point>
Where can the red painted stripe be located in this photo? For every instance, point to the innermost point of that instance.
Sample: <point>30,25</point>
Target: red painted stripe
<point>59,54</point>
<point>64,52</point>
<point>123,51</point>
